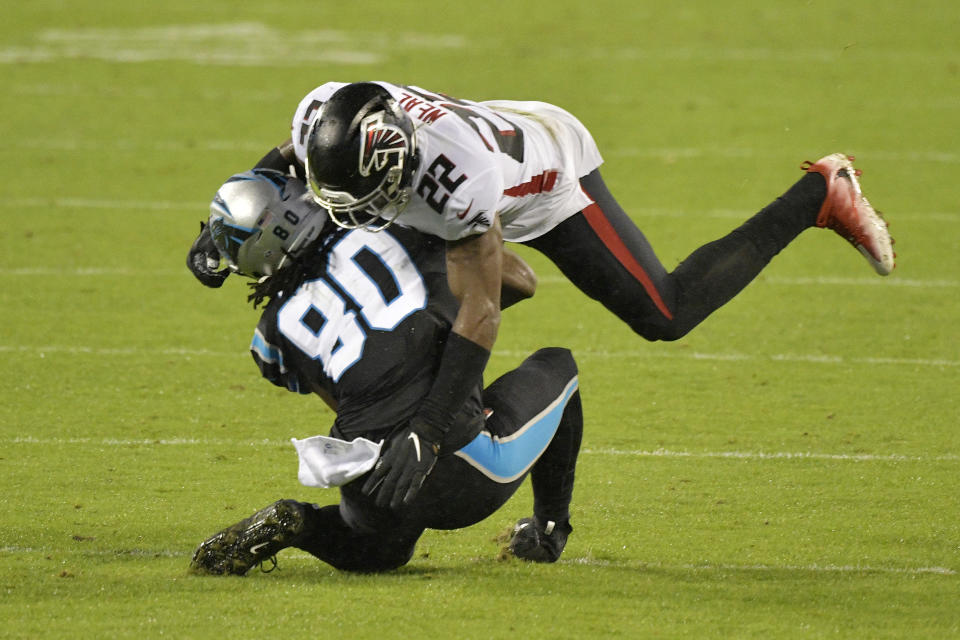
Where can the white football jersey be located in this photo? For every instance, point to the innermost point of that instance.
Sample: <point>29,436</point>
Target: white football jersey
<point>520,160</point>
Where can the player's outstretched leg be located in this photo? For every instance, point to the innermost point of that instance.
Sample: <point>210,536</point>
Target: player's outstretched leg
<point>543,537</point>
<point>240,547</point>
<point>850,214</point>
<point>538,541</point>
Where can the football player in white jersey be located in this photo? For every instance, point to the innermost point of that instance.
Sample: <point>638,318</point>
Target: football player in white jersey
<point>479,173</point>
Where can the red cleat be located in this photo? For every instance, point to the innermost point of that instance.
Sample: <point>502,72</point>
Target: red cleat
<point>847,211</point>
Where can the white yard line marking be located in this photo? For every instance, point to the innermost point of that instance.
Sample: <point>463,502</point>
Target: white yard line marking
<point>120,351</point>
<point>775,455</point>
<point>588,562</point>
<point>747,357</point>
<point>198,206</point>
<point>686,153</point>
<point>136,553</point>
<point>909,283</point>
<point>228,44</point>
<point>41,351</point>
<point>893,281</point>
<point>91,203</point>
<point>637,453</point>
<point>245,43</point>
<point>811,568</point>
<point>146,442</point>
<point>91,271</point>
<point>863,282</point>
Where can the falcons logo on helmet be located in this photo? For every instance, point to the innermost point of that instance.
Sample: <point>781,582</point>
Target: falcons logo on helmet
<point>378,142</point>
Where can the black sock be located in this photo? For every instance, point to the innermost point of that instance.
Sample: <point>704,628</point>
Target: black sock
<point>717,271</point>
<point>785,218</point>
<point>553,474</point>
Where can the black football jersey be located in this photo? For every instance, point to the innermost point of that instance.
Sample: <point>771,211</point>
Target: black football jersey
<point>368,331</point>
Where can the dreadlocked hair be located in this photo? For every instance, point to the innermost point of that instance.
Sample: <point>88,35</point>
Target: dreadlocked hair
<point>303,263</point>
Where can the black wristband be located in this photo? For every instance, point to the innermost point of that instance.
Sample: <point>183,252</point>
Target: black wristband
<point>460,371</point>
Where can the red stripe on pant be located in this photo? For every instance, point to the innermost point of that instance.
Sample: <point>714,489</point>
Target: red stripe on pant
<point>608,235</point>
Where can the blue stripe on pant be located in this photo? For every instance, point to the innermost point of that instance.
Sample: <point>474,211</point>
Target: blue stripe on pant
<point>505,459</point>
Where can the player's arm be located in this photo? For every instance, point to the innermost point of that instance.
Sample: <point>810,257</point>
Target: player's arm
<point>474,270</point>
<point>475,273</point>
<point>518,281</point>
<point>281,158</point>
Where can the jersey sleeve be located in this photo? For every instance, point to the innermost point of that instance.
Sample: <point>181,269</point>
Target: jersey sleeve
<point>267,351</point>
<point>306,112</point>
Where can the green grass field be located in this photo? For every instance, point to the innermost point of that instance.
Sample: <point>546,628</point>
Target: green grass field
<point>791,469</point>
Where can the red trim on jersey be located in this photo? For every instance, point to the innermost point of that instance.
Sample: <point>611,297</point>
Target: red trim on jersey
<point>608,235</point>
<point>537,184</point>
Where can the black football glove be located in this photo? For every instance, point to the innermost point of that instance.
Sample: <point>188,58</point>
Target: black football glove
<point>401,471</point>
<point>203,260</point>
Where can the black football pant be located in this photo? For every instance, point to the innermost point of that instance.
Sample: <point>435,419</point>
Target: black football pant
<point>603,253</point>
<point>534,426</point>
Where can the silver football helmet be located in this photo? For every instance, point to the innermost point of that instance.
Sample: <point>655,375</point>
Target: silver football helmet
<point>259,217</point>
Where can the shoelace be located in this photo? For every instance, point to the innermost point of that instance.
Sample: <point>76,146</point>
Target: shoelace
<point>272,559</point>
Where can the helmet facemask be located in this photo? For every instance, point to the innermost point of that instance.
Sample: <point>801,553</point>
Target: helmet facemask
<point>385,203</point>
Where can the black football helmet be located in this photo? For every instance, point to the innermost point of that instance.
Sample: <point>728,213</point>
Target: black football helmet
<point>360,156</point>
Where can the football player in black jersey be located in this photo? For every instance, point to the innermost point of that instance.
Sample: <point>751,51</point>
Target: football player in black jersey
<point>361,319</point>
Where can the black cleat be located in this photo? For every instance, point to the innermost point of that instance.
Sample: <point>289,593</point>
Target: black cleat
<point>238,548</point>
<point>539,542</point>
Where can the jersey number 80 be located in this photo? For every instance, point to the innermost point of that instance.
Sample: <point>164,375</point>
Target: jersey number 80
<point>377,274</point>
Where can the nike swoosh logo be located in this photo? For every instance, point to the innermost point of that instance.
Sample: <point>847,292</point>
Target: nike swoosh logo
<point>465,211</point>
<point>257,547</point>
<point>416,444</point>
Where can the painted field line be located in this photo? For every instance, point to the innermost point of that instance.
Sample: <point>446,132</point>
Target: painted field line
<point>775,455</point>
<point>240,43</point>
<point>686,153</point>
<point>42,351</point>
<point>147,442</point>
<point>101,203</point>
<point>91,271</point>
<point>115,203</point>
<point>68,145</point>
<point>78,89</point>
<point>909,283</point>
<point>636,453</point>
<point>875,281</point>
<point>200,208</point>
<point>751,568</point>
<point>135,553</point>
<point>746,357</point>
<point>302,556</point>
<point>225,44</point>
<point>121,351</point>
